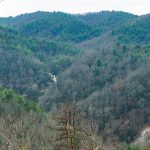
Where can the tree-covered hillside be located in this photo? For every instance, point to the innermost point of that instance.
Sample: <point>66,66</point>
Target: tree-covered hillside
<point>111,80</point>
<point>101,61</point>
<point>107,20</point>
<point>26,62</point>
<point>68,27</point>
<point>56,25</point>
<point>138,31</point>
<point>22,124</point>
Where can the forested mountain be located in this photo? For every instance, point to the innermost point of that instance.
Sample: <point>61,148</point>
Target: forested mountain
<point>138,31</point>
<point>101,61</point>
<point>26,62</point>
<point>111,77</point>
<point>56,25</point>
<point>64,26</point>
<point>106,20</point>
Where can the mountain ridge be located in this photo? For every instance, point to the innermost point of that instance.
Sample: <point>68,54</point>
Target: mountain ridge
<point>101,63</point>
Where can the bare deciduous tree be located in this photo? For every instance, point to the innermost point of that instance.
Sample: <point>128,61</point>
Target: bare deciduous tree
<point>72,132</point>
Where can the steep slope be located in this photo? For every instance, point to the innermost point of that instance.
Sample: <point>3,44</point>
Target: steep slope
<point>111,82</point>
<point>26,62</point>
<point>20,70</point>
<point>138,31</point>
<point>64,26</point>
<point>56,25</point>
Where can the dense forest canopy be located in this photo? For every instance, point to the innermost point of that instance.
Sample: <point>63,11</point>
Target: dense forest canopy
<point>99,60</point>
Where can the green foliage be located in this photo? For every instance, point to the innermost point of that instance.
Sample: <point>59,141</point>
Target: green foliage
<point>131,147</point>
<point>10,98</point>
<point>57,25</point>
<point>113,78</point>
<point>106,20</point>
<point>22,123</point>
<point>26,61</point>
<point>107,74</point>
<point>137,31</point>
